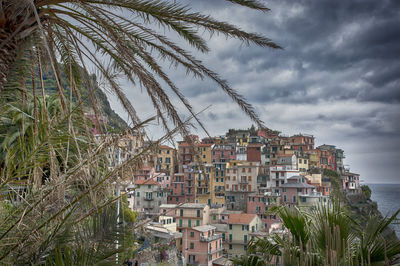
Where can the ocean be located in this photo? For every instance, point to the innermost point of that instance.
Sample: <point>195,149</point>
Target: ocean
<point>388,198</point>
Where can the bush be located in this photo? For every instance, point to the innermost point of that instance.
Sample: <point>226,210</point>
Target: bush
<point>366,191</point>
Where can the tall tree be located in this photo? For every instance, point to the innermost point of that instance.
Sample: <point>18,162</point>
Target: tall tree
<point>124,34</point>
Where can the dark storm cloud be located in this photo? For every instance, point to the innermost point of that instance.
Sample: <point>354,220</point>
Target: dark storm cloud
<point>354,41</point>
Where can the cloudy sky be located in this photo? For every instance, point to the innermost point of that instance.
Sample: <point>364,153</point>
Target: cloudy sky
<point>338,77</point>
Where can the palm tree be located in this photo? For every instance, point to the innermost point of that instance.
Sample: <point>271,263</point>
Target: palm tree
<point>122,33</point>
<point>325,235</point>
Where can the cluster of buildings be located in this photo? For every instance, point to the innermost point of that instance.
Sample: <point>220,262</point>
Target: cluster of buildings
<point>212,196</point>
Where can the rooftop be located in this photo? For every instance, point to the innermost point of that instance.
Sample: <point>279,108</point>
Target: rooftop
<point>296,185</point>
<point>242,218</point>
<point>193,206</point>
<point>165,147</point>
<point>222,262</point>
<point>147,182</point>
<point>204,228</point>
<point>168,206</point>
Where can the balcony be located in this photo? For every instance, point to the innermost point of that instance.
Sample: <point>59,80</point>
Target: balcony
<point>148,198</point>
<point>210,252</point>
<point>211,238</point>
<point>243,182</point>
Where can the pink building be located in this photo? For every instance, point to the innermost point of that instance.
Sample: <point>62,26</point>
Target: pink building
<point>144,173</point>
<point>294,189</point>
<point>259,203</point>
<point>351,182</point>
<point>168,210</point>
<point>189,215</point>
<point>163,179</point>
<point>177,190</point>
<point>221,154</point>
<point>201,245</point>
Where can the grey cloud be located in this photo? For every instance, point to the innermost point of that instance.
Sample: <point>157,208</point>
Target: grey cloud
<point>338,76</point>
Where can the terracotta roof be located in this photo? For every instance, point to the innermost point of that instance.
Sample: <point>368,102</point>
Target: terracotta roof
<point>205,145</point>
<point>165,147</point>
<point>184,144</point>
<point>147,182</point>
<point>242,218</point>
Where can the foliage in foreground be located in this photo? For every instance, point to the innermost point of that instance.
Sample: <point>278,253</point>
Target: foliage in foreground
<point>324,235</point>
<point>57,200</point>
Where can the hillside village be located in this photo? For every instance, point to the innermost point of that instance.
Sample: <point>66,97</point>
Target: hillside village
<point>205,199</point>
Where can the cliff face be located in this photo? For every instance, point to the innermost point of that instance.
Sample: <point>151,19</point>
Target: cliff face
<point>114,120</point>
<point>360,206</point>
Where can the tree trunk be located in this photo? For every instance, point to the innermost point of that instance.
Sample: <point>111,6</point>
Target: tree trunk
<point>8,53</point>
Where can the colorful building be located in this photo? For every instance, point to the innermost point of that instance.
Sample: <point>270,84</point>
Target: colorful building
<point>240,226</point>
<point>241,178</point>
<point>202,245</point>
<point>148,197</point>
<point>166,160</point>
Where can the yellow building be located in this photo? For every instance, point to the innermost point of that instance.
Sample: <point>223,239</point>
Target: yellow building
<point>314,159</point>
<point>218,184</point>
<point>210,185</point>
<point>240,228</point>
<point>302,164</point>
<point>205,152</point>
<point>166,160</point>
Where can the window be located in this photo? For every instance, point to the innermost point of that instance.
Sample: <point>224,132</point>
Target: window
<point>249,170</point>
<point>204,156</point>
<point>191,234</point>
<point>191,245</point>
<point>230,237</point>
<point>138,194</point>
<point>149,186</point>
<point>284,198</point>
<point>180,223</point>
<point>181,212</point>
<point>217,179</point>
<point>197,222</point>
<point>222,179</point>
<point>245,238</point>
<point>230,246</point>
<point>215,217</point>
<point>198,213</point>
<point>230,226</point>
<point>283,189</point>
<point>294,198</point>
<point>303,199</point>
<point>189,223</point>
